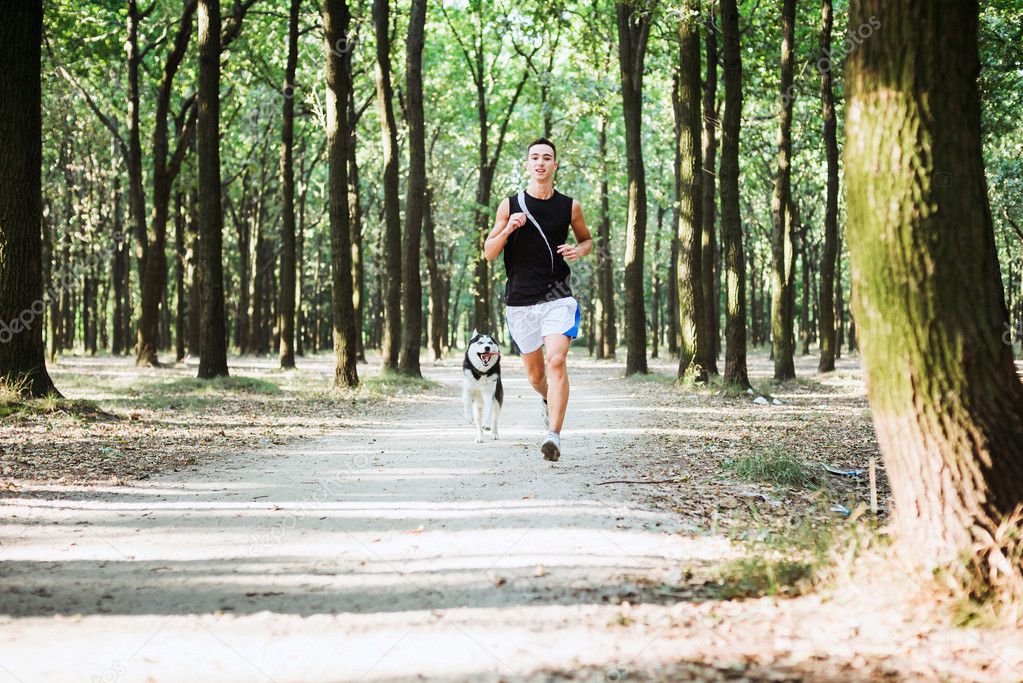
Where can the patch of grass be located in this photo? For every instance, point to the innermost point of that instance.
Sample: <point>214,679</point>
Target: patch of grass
<point>795,560</point>
<point>51,405</point>
<point>191,393</point>
<point>218,385</point>
<point>775,465</point>
<point>387,384</point>
<point>757,575</point>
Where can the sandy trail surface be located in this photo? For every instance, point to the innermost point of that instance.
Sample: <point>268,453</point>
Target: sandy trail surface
<point>397,547</point>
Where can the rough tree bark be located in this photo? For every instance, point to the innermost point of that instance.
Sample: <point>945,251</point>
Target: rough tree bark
<point>336,20</point>
<point>212,324</point>
<point>827,278</point>
<point>712,308</point>
<point>731,225</point>
<point>693,351</point>
<point>782,256</point>
<point>22,353</point>
<point>391,343</point>
<point>411,280</point>
<point>946,398</point>
<point>633,31</point>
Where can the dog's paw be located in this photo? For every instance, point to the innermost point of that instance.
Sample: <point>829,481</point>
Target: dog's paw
<point>479,438</point>
<point>493,436</point>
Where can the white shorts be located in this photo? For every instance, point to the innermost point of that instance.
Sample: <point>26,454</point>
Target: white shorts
<point>528,325</point>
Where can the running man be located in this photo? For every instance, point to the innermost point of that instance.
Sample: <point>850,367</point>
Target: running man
<point>532,228</point>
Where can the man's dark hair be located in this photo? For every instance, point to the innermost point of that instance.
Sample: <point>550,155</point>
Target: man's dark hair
<point>542,141</point>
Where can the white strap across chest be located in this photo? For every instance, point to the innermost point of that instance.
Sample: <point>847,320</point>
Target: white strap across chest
<point>525,210</point>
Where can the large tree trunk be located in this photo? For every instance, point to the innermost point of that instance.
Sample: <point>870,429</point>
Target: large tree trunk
<point>286,319</point>
<point>336,20</point>
<point>827,280</point>
<point>212,325</point>
<point>782,255</point>
<point>731,225</point>
<point>22,353</point>
<point>694,351</point>
<point>392,225</point>
<point>712,308</point>
<point>633,32</point>
<point>411,282</point>
<point>946,398</point>
<point>605,311</point>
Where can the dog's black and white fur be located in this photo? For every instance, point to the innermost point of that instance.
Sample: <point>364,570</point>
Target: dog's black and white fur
<point>482,392</point>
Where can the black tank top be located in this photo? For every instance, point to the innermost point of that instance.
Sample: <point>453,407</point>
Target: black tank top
<point>537,273</point>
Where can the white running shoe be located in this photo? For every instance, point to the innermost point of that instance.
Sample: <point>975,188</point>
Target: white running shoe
<point>544,416</point>
<point>551,447</point>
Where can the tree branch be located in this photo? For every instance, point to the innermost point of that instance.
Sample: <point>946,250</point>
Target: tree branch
<point>107,121</point>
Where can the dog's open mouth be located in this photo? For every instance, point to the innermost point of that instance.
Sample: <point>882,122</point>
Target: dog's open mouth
<point>488,356</point>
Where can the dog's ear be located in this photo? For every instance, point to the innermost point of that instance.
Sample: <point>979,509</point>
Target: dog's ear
<point>474,332</point>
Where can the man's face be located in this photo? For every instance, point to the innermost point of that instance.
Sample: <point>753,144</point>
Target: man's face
<point>540,162</point>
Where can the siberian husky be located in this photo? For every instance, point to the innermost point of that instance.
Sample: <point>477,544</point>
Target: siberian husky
<point>482,393</point>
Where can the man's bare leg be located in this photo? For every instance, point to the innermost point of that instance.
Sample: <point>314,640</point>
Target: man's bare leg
<point>535,371</point>
<point>557,378</point>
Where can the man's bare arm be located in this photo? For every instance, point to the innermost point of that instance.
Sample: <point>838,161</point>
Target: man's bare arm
<point>504,226</point>
<point>584,241</point>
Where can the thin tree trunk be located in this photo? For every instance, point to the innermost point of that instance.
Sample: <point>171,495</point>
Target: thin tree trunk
<point>355,231</point>
<point>180,266</point>
<point>411,282</point>
<point>437,294</point>
<point>781,236</point>
<point>943,388</point>
<point>336,20</point>
<point>212,327</point>
<point>807,287</point>
<point>731,226</point>
<point>828,292</point>
<point>695,350</point>
<point>165,168</point>
<point>286,319</point>
<point>392,224</point>
<point>120,275</point>
<point>136,183</point>
<point>633,32</point>
<point>655,286</point>
<point>606,319</point>
<point>712,307</point>
<point>839,300</point>
<point>22,352</point>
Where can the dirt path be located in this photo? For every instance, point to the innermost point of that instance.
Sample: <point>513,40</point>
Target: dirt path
<point>399,549</point>
<point>393,549</point>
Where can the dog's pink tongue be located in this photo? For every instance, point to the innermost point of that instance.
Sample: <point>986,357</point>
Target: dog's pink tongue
<point>487,357</point>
